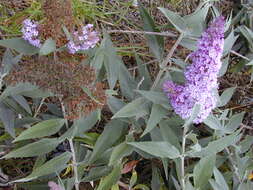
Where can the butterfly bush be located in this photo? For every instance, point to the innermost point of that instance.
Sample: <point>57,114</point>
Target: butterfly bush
<point>86,40</point>
<point>200,76</point>
<point>30,32</point>
<point>54,186</point>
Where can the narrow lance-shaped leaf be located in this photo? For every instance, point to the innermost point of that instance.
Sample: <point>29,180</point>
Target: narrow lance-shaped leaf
<point>20,45</point>
<point>7,116</point>
<point>111,134</point>
<point>54,165</point>
<point>138,106</point>
<point>159,149</point>
<point>143,74</point>
<point>156,43</point>
<point>48,47</point>
<point>175,19</point>
<point>157,113</point>
<point>34,149</point>
<point>127,83</point>
<point>226,96</point>
<point>42,129</point>
<point>155,97</point>
<point>110,180</point>
<point>119,152</point>
<point>217,145</point>
<point>203,171</point>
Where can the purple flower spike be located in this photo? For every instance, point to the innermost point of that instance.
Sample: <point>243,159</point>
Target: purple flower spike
<point>30,32</point>
<point>86,40</point>
<point>201,75</point>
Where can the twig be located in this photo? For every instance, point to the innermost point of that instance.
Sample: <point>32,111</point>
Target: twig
<point>233,165</point>
<point>37,111</point>
<point>183,158</point>
<point>72,149</point>
<point>246,127</point>
<point>166,60</point>
<point>123,185</point>
<point>74,163</point>
<point>136,67</point>
<point>239,55</point>
<point>170,34</point>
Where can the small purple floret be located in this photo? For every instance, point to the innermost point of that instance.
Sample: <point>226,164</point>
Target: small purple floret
<point>84,41</point>
<point>201,75</point>
<point>30,32</point>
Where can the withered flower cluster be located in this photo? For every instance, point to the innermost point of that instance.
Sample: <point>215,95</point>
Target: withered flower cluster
<point>64,76</point>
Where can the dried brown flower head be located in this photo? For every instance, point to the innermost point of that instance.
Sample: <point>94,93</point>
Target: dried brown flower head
<point>65,79</point>
<point>58,13</point>
<point>16,4</point>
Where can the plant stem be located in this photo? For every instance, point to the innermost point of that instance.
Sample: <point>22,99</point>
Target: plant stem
<point>170,34</point>
<point>37,111</point>
<point>72,149</point>
<point>74,163</point>
<point>166,60</point>
<point>182,158</point>
<point>233,165</point>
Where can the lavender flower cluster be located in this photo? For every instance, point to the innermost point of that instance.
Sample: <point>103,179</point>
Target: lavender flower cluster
<point>30,32</point>
<point>86,40</point>
<point>201,75</point>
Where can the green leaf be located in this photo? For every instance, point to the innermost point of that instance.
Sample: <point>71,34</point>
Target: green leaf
<point>224,67</point>
<point>20,45</point>
<point>248,34</point>
<point>115,104</point>
<point>23,103</point>
<point>189,186</point>
<point>25,89</point>
<point>175,19</point>
<point>196,21</point>
<point>226,96</point>
<point>159,149</point>
<point>136,107</point>
<point>203,171</point>
<point>85,123</point>
<point>112,61</point>
<point>48,47</point>
<point>168,133</point>
<point>96,173</point>
<point>156,43</point>
<point>229,42</point>
<point>34,149</point>
<point>89,93</point>
<point>250,63</point>
<point>246,186</point>
<point>127,83</point>
<point>9,61</point>
<point>194,114</point>
<point>219,179</point>
<point>141,186</point>
<point>190,44</point>
<point>234,122</point>
<point>119,152</point>
<point>111,134</point>
<point>133,179</point>
<point>7,116</point>
<point>246,144</point>
<point>157,113</point>
<point>143,74</point>
<point>110,180</point>
<point>52,166</point>
<point>155,97</point>
<point>42,129</point>
<point>213,122</point>
<point>217,145</point>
